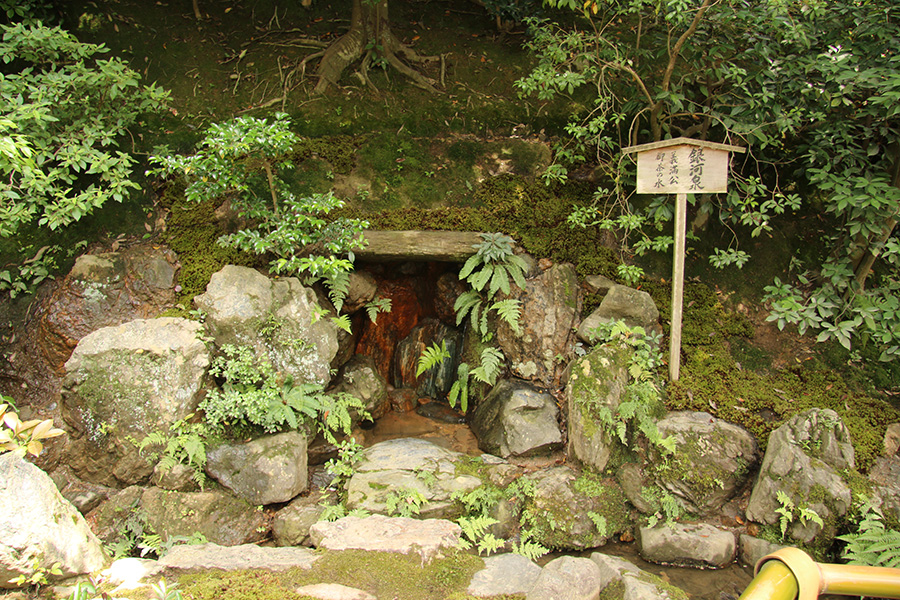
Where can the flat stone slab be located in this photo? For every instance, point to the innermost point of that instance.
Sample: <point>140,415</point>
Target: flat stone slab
<point>567,578</point>
<point>449,246</point>
<point>232,558</point>
<point>504,574</point>
<point>700,544</point>
<point>390,534</point>
<point>333,591</point>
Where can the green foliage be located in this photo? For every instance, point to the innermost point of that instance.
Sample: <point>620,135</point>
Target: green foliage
<point>667,508</point>
<point>476,534</point>
<point>254,394</point>
<point>25,437</point>
<point>65,112</point>
<point>493,265</point>
<point>38,575</point>
<point>242,160</point>
<point>185,444</point>
<point>637,410</point>
<point>488,271</point>
<point>342,467</point>
<point>405,502</point>
<point>872,544</point>
<point>377,306</point>
<point>786,514</point>
<point>697,71</point>
<point>431,357</point>
<point>137,537</point>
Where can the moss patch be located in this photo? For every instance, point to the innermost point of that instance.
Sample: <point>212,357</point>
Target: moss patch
<point>391,575</point>
<point>762,401</point>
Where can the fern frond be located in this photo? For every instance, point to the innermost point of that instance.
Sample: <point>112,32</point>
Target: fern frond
<point>469,266</point>
<point>510,310</point>
<point>464,303</point>
<point>338,284</point>
<point>342,322</point>
<point>499,281</point>
<point>480,279</point>
<point>490,367</point>
<point>517,268</point>
<point>432,357</point>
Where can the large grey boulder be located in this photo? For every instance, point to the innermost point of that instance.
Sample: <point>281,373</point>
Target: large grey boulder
<point>504,574</point>
<point>712,461</point>
<point>517,419</point>
<point>428,538</point>
<point>407,466</point>
<point>691,545</point>
<point>621,579</point>
<point>360,378</point>
<point>40,527</point>
<point>550,305</point>
<point>595,389</point>
<point>263,471</point>
<point>219,516</point>
<point>125,382</point>
<point>621,303</point>
<point>573,513</point>
<point>291,524</point>
<point>804,459</point>
<point>278,318</point>
<point>567,578</point>
<point>103,290</point>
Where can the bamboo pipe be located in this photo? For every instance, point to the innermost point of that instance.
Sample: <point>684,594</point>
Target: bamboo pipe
<point>790,574</point>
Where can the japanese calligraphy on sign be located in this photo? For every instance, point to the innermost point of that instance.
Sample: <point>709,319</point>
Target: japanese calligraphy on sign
<point>682,169</point>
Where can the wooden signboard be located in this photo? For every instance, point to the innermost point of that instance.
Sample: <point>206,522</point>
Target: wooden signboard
<point>681,166</point>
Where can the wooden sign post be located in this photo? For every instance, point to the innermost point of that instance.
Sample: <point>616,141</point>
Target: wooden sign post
<point>680,166</point>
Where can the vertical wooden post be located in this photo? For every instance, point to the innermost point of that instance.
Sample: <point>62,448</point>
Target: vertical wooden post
<point>677,286</point>
<point>681,166</point>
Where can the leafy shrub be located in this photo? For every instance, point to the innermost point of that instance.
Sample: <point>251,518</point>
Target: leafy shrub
<point>254,394</point>
<point>488,271</point>
<point>23,437</point>
<point>241,160</point>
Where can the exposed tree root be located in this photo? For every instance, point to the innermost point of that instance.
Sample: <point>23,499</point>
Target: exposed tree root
<point>370,37</point>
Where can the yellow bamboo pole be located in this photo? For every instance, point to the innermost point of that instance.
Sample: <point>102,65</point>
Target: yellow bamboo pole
<point>790,574</point>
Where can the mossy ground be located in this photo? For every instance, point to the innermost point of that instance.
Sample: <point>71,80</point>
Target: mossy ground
<point>383,574</point>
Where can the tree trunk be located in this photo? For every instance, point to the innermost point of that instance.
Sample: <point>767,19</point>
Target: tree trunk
<point>863,265</point>
<point>369,39</point>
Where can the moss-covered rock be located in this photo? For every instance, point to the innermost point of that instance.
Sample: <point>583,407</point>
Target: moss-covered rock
<point>569,511</point>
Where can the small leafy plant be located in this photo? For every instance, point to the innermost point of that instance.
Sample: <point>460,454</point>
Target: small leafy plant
<point>642,394</point>
<point>254,394</point>
<point>872,544</point>
<point>489,271</point>
<point>38,575</point>
<point>25,437</point>
<point>185,444</point>
<point>242,160</point>
<point>787,516</point>
<point>406,502</point>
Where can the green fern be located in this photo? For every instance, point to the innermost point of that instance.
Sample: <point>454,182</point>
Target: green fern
<point>433,356</point>
<point>469,302</point>
<point>872,544</point>
<point>490,367</point>
<point>342,322</point>
<point>338,284</point>
<point>510,310</point>
<point>475,534</point>
<point>786,510</point>
<point>377,306</point>
<point>459,391</point>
